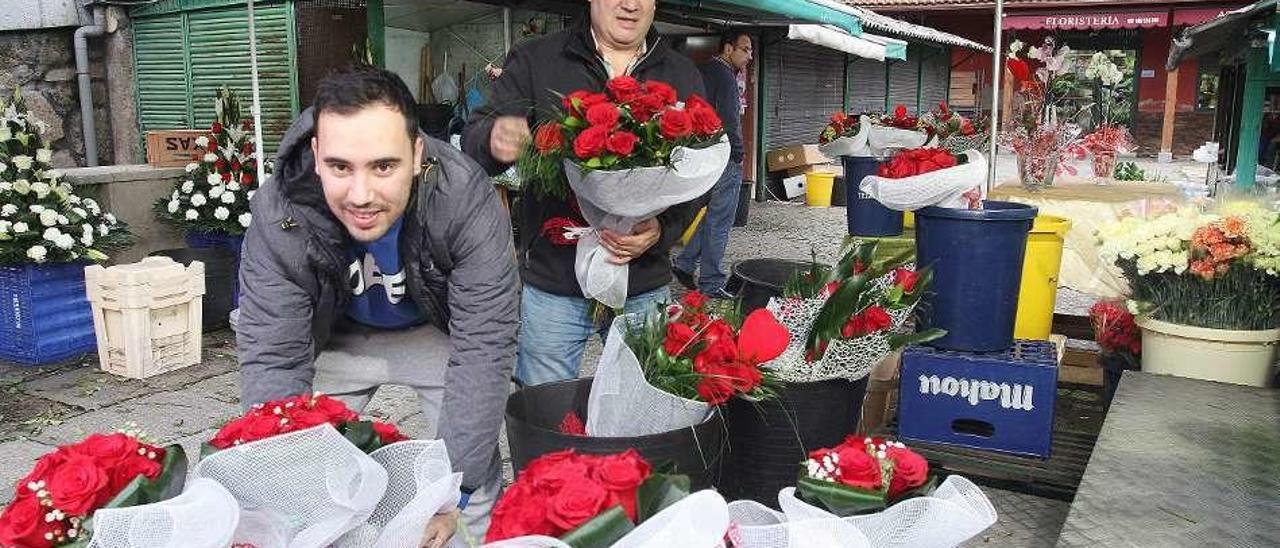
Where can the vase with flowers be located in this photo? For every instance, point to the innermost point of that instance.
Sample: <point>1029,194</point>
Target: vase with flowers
<point>1110,137</point>
<point>1042,135</point>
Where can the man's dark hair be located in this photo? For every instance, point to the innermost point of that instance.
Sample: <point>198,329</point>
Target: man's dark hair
<point>730,37</point>
<point>353,88</point>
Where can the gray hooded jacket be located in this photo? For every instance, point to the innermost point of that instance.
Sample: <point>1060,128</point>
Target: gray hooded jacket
<point>456,247</point>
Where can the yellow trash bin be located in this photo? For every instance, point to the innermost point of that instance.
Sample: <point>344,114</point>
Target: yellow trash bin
<point>909,219</point>
<point>818,185</point>
<point>693,227</point>
<point>1039,291</point>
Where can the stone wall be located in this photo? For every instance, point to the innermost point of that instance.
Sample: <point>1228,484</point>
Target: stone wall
<point>42,63</point>
<point>128,191</point>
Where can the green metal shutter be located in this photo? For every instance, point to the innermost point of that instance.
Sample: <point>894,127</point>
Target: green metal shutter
<point>161,73</point>
<point>219,42</point>
<point>866,85</point>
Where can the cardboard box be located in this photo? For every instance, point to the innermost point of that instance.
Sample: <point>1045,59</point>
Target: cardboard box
<point>780,159</point>
<point>829,168</point>
<point>173,148</point>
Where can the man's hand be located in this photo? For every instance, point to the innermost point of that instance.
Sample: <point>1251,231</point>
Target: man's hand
<point>625,248</point>
<point>508,137</point>
<point>440,529</point>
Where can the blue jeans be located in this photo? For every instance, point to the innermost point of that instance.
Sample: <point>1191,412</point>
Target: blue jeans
<point>554,329</point>
<point>712,236</point>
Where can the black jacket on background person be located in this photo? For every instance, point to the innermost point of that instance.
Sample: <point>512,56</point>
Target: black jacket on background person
<point>533,74</point>
<point>722,93</point>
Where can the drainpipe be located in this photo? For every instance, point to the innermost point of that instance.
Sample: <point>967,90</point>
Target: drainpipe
<point>81,40</point>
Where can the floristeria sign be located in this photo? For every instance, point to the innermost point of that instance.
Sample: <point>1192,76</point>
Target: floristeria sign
<point>1083,21</point>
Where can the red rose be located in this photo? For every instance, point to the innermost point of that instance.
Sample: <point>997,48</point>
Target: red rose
<point>675,124</point>
<point>1020,69</point>
<point>247,149</point>
<point>644,107</point>
<point>679,337</point>
<point>540,466</point>
<point>622,143</point>
<point>337,411</point>
<point>585,100</point>
<point>623,471</point>
<point>226,177</point>
<point>604,114</point>
<point>906,279</point>
<point>877,318</point>
<point>235,165</point>
<point>518,513</point>
<point>220,165</point>
<point>576,503</point>
<point>696,101</point>
<point>857,468</point>
<point>900,112</point>
<point>257,427</point>
<point>228,434</point>
<point>662,91</point>
<point>22,524</point>
<point>247,124</point>
<point>705,121</point>
<point>830,289</point>
<point>745,376</point>
<point>714,388</point>
<point>43,467</point>
<point>623,89</point>
<point>910,471</point>
<point>388,433</point>
<point>215,128</point>
<point>694,300</point>
<point>966,128</point>
<point>246,178</point>
<point>839,118</point>
<point>572,425</point>
<point>548,138</point>
<point>762,338</point>
<point>124,472</point>
<point>591,142</point>
<point>717,334</point>
<point>558,477</point>
<point>302,419</point>
<point>79,486</point>
<point>554,230</point>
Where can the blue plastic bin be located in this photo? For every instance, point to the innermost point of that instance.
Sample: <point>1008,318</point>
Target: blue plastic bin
<point>44,315</point>
<point>977,259</point>
<point>866,216</point>
<point>219,240</point>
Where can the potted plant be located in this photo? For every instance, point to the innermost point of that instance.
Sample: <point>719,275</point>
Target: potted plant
<point>1110,137</point>
<point>1205,288</point>
<point>47,236</point>
<point>1042,139</point>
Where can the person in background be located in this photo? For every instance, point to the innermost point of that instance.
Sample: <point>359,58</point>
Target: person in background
<point>380,256</point>
<point>706,247</point>
<point>617,39</point>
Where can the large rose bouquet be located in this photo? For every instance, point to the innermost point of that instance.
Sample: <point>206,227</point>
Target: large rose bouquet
<point>918,161</point>
<point>55,502</point>
<point>585,500</point>
<point>627,155</point>
<point>214,195</point>
<point>862,475</point>
<point>895,131</point>
<point>41,217</point>
<point>845,135</point>
<point>954,131</point>
<point>301,412</point>
<point>922,177</point>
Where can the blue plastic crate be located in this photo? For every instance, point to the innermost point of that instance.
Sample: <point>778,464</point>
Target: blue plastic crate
<point>999,401</point>
<point>44,314</point>
<point>220,240</point>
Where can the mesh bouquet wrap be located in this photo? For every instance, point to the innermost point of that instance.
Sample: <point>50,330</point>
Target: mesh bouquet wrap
<point>850,359</point>
<point>955,512</point>
<point>205,515</point>
<point>617,200</point>
<point>959,144</point>
<point>696,521</point>
<point>623,403</point>
<point>942,188</point>
<point>314,488</point>
<point>849,146</point>
<point>883,138</point>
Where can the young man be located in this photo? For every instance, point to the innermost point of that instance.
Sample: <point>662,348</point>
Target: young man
<point>379,256</point>
<point>617,39</point>
<point>707,245</point>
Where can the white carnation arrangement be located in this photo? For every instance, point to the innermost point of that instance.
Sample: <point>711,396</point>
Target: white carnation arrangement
<point>42,220</point>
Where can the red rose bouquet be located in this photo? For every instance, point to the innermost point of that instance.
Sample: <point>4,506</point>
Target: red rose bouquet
<point>300,413</point>
<point>845,135</point>
<point>923,177</point>
<point>55,502</point>
<point>627,154</point>
<point>918,161</point>
<point>900,120</point>
<point>1117,334</point>
<point>895,131</point>
<point>862,475</point>
<point>841,125</point>
<point>954,131</point>
<point>585,500</point>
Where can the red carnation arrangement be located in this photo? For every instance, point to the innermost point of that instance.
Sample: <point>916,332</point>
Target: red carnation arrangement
<point>54,503</point>
<point>690,353</point>
<point>863,475</point>
<point>585,500</point>
<point>300,413</point>
<point>1115,330</point>
<point>918,161</point>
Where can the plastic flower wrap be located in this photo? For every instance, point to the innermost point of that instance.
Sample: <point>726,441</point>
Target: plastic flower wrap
<point>1117,333</point>
<point>895,131</point>
<point>845,135</point>
<point>954,131</point>
<point>924,177</point>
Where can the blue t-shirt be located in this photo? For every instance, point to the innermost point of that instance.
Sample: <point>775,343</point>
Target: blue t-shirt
<point>377,282</point>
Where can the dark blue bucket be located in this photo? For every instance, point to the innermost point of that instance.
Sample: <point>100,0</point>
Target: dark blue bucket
<point>977,260</point>
<point>867,217</point>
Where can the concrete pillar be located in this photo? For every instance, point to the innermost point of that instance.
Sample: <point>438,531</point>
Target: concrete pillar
<point>1170,110</point>
<point>118,44</point>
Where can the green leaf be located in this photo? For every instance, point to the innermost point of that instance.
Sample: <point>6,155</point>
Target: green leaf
<point>658,492</point>
<point>838,499</point>
<point>206,449</point>
<point>603,530</point>
<point>901,340</point>
<point>573,122</point>
<point>594,163</point>
<point>362,435</point>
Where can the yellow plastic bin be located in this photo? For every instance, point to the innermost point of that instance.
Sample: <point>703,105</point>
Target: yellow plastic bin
<point>818,186</point>
<point>1039,291</point>
<point>909,219</point>
<point>693,227</point>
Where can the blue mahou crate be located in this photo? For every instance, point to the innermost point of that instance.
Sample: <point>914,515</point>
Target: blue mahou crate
<point>44,314</point>
<point>998,401</point>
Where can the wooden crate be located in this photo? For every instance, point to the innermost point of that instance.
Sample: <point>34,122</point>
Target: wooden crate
<point>146,315</point>
<point>173,148</point>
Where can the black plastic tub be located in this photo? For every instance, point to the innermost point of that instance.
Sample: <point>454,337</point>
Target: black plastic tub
<point>533,419</point>
<point>220,273</point>
<point>768,441</point>
<point>755,281</point>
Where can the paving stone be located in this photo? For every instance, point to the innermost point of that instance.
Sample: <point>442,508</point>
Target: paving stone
<point>224,388</point>
<point>16,459</point>
<point>23,415</point>
<point>164,416</point>
<point>1025,521</point>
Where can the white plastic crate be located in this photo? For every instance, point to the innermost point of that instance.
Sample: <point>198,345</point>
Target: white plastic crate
<point>147,315</point>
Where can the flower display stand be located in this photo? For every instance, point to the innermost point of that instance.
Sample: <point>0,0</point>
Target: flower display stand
<point>44,315</point>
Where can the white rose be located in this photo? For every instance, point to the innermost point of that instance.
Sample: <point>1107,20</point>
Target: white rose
<point>5,186</point>
<point>80,212</point>
<point>8,209</point>
<point>19,227</point>
<point>21,186</point>
<point>41,189</point>
<point>5,134</point>
<point>245,218</point>
<point>188,186</point>
<point>66,241</point>
<point>36,208</point>
<point>232,185</point>
<point>22,162</point>
<point>228,197</point>
<point>111,218</point>
<point>37,253</point>
<point>198,199</point>
<point>92,205</point>
<point>210,158</point>
<point>221,213</point>
<point>87,229</point>
<point>52,234</point>
<point>174,196</point>
<point>4,226</point>
<point>48,217</point>
<point>192,215</point>
<point>3,167</point>
<point>192,167</point>
<point>213,179</point>
<point>202,141</point>
<point>103,229</point>
<point>44,155</point>
<point>173,206</point>
<point>73,198</point>
<point>216,191</point>
<point>87,240</point>
<point>63,220</point>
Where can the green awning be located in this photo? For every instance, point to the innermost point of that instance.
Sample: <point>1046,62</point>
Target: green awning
<point>780,11</point>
